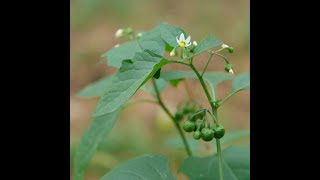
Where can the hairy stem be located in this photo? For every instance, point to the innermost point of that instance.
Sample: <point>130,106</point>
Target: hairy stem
<point>177,125</point>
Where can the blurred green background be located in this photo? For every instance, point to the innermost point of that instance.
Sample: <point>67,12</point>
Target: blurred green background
<point>145,128</point>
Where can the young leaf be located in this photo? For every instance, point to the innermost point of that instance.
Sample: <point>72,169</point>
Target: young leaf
<point>90,141</point>
<point>132,74</point>
<point>241,82</point>
<point>143,167</point>
<point>207,43</point>
<point>97,88</point>
<point>236,165</point>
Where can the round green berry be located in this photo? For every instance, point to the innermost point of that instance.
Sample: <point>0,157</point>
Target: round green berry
<point>197,135</point>
<point>200,123</point>
<point>207,134</point>
<point>227,67</point>
<point>218,131</point>
<point>179,116</point>
<point>188,126</point>
<point>230,49</point>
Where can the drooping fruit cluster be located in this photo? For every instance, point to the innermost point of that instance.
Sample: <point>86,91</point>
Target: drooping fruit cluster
<point>196,124</point>
<point>187,109</point>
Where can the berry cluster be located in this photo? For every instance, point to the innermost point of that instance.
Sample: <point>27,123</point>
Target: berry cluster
<point>196,123</point>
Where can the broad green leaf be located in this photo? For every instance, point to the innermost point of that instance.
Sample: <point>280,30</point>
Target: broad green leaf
<point>241,82</point>
<point>147,167</point>
<point>212,78</point>
<point>236,165</point>
<point>169,34</point>
<point>90,141</point>
<point>128,50</point>
<point>207,43</point>
<point>177,143</point>
<point>132,74</point>
<point>97,88</point>
<point>151,40</point>
<point>161,84</point>
<point>233,136</point>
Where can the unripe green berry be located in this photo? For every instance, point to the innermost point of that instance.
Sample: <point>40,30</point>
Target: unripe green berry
<point>207,134</point>
<point>218,131</point>
<point>197,135</point>
<point>179,116</point>
<point>188,126</point>
<point>227,67</point>
<point>230,49</point>
<point>200,123</point>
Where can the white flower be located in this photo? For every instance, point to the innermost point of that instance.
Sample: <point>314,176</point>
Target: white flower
<point>231,71</point>
<point>224,46</point>
<point>195,43</point>
<point>183,42</point>
<point>117,45</point>
<point>119,33</point>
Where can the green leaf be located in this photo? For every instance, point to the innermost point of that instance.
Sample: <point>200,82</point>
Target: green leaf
<point>153,40</point>
<point>207,43</point>
<point>148,87</point>
<point>142,168</point>
<point>97,88</point>
<point>128,50</point>
<point>131,76</point>
<point>236,165</point>
<point>241,82</point>
<point>233,136</point>
<point>90,141</point>
<point>212,78</point>
<point>178,144</point>
<point>169,34</point>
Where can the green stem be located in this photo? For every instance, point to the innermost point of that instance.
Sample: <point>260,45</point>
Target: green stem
<point>224,58</point>
<point>178,62</point>
<point>204,70</point>
<point>219,158</point>
<point>226,98</point>
<point>177,125</point>
<point>214,111</point>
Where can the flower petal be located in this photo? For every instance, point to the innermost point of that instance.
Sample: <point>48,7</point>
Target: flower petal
<point>178,41</point>
<point>182,37</point>
<point>188,39</point>
<point>188,44</point>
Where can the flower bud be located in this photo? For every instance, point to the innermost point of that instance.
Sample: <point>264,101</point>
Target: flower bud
<point>195,43</point>
<point>119,33</point>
